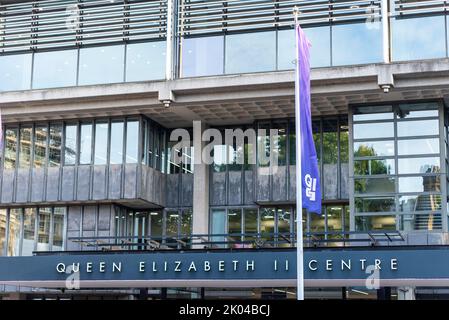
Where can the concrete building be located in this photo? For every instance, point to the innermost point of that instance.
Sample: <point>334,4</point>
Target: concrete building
<point>90,92</point>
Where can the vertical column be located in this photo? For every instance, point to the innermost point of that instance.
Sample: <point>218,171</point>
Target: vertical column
<point>406,293</point>
<point>170,40</point>
<point>200,183</point>
<point>386,31</point>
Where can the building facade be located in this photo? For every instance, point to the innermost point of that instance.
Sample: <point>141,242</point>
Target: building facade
<point>92,90</point>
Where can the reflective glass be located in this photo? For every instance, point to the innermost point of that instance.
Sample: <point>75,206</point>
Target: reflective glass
<point>15,72</point>
<point>250,52</point>
<point>267,223</point>
<point>375,223</point>
<point>374,185</point>
<point>186,222</point>
<point>218,226</point>
<point>132,140</point>
<point>428,222</point>
<point>55,69</point>
<point>15,218</point>
<point>25,148</point>
<point>71,134</point>
<point>419,184</point>
<point>58,228</point>
<point>419,110</point>
<point>2,231</point>
<point>116,142</point>
<point>145,61</point>
<point>373,167</point>
<point>54,156</point>
<point>418,128</point>
<point>373,130</point>
<point>334,218</point>
<point>375,204</point>
<point>427,40</point>
<point>101,143</point>
<point>373,116</point>
<point>251,220</point>
<point>29,223</point>
<point>101,65</point>
<point>172,223</point>
<point>234,224</point>
<point>10,148</point>
<point>356,43</point>
<point>418,165</point>
<point>156,223</point>
<point>40,146</point>
<point>283,227</point>
<point>374,148</point>
<point>422,202</point>
<point>317,223</point>
<point>418,146</point>
<point>202,56</point>
<point>43,239</point>
<point>86,143</point>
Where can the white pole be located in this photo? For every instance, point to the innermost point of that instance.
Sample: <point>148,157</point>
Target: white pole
<point>299,235</point>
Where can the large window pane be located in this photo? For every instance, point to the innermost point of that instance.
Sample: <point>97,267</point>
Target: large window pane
<point>116,142</point>
<point>418,165</point>
<point>58,228</point>
<point>369,113</point>
<point>374,185</point>
<point>186,222</point>
<point>156,224</point>
<point>283,227</point>
<point>132,141</point>
<point>29,223</point>
<point>10,148</point>
<point>55,69</point>
<point>172,219</point>
<point>428,222</point>
<point>145,61</point>
<point>267,223</point>
<point>101,65</point>
<point>422,202</point>
<point>418,146</point>
<point>250,52</point>
<point>25,147</point>
<point>15,218</point>
<point>375,223</point>
<point>418,128</point>
<point>356,43</point>
<point>218,226</point>
<point>251,221</point>
<point>417,110</point>
<point>54,156</point>
<point>373,130</point>
<point>40,146</point>
<point>101,143</point>
<point>373,167</point>
<point>70,151</point>
<point>2,231</point>
<point>374,148</point>
<point>15,72</point>
<point>419,184</point>
<point>375,204</point>
<point>202,56</point>
<point>43,239</point>
<point>234,224</point>
<point>86,143</point>
<point>427,40</point>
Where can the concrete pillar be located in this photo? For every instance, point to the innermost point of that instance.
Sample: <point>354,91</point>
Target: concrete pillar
<point>406,293</point>
<point>200,184</point>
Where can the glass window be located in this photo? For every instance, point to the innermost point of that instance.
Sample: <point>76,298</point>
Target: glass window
<point>421,202</point>
<point>116,147</point>
<point>356,43</point>
<point>267,227</point>
<point>40,146</point>
<point>86,143</point>
<point>283,225</point>
<point>101,143</point>
<point>43,238</point>
<point>101,65</point>
<point>186,222</point>
<point>71,134</point>
<point>218,226</point>
<point>15,72</point>
<point>418,165</point>
<point>2,231</point>
<point>373,113</point>
<point>10,148</point>
<point>317,223</point>
<point>172,224</point>
<point>286,49</point>
<point>55,69</point>
<point>373,130</point>
<point>15,218</point>
<point>234,224</point>
<point>250,52</point>
<point>251,220</point>
<point>374,185</point>
<point>375,204</point>
<point>156,223</point>
<point>334,218</point>
<point>408,222</point>
<point>29,223</point>
<point>132,141</point>
<point>58,228</point>
<point>202,56</point>
<point>418,128</point>
<point>25,147</point>
<point>427,40</point>
<point>54,156</point>
<point>419,184</point>
<point>375,223</point>
<point>418,146</point>
<point>418,110</point>
<point>145,61</point>
<point>374,148</point>
<point>373,167</point>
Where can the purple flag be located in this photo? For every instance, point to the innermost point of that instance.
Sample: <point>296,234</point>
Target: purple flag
<point>311,189</point>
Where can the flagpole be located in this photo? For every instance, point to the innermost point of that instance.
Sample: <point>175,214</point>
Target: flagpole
<point>299,234</point>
